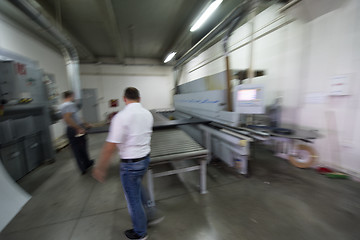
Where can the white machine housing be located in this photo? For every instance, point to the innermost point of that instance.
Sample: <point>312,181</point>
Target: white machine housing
<point>231,147</point>
<point>209,105</point>
<point>247,99</point>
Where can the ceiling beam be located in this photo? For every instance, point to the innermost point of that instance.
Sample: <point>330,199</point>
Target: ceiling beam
<point>110,24</point>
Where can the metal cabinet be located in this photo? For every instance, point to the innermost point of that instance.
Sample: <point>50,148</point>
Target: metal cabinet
<point>25,140</point>
<point>39,122</point>
<point>6,134</point>
<point>21,148</point>
<point>23,127</point>
<point>33,150</point>
<point>13,159</point>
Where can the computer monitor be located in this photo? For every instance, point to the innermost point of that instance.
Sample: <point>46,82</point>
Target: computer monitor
<point>246,94</point>
<point>249,99</point>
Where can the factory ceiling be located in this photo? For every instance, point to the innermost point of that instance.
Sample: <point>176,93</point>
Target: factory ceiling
<point>124,31</point>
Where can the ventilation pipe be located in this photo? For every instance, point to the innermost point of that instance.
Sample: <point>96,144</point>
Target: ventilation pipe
<point>289,5</point>
<point>67,48</point>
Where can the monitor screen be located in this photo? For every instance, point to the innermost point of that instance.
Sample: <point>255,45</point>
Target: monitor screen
<point>246,94</point>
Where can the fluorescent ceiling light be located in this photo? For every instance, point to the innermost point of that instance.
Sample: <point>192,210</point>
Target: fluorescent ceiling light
<point>213,6</point>
<point>169,57</point>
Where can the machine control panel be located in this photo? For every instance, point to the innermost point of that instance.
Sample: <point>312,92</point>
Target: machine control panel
<point>249,99</point>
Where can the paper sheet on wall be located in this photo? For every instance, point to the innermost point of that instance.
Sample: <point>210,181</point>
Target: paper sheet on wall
<point>339,85</point>
<point>315,97</point>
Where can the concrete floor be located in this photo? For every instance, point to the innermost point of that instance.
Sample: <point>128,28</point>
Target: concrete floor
<point>278,202</point>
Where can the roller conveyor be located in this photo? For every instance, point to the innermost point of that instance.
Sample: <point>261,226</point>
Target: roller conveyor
<point>160,122</point>
<point>173,143</point>
<point>170,145</point>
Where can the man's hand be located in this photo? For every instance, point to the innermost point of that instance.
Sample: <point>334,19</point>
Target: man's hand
<point>80,131</point>
<point>98,174</point>
<point>88,125</point>
<point>99,171</point>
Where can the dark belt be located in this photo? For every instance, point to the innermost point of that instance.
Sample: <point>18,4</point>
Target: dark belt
<point>134,159</point>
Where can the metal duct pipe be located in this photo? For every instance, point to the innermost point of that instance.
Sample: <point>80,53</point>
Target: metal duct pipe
<point>234,23</point>
<point>68,49</point>
<point>240,11</point>
<point>73,73</point>
<point>289,5</point>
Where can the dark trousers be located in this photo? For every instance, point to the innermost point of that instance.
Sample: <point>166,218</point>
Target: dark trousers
<point>79,149</point>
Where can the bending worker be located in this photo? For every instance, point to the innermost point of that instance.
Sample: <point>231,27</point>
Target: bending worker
<point>75,131</point>
<point>130,132</point>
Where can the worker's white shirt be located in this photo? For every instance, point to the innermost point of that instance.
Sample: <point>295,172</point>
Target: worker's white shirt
<point>131,129</point>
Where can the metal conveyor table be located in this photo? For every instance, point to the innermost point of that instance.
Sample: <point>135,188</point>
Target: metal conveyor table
<point>169,145</point>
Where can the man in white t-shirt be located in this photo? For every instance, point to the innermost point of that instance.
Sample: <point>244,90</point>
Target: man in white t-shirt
<point>130,132</point>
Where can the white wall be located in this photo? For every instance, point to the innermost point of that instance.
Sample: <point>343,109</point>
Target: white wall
<point>20,41</point>
<point>155,84</point>
<point>299,58</point>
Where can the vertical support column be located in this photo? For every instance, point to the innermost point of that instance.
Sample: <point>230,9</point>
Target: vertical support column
<point>228,83</point>
<point>252,16</point>
<point>208,145</point>
<point>150,183</point>
<point>245,159</point>
<point>244,165</point>
<point>203,166</point>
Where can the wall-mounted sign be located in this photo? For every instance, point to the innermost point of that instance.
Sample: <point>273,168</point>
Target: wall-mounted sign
<point>114,102</point>
<point>339,85</point>
<point>20,69</point>
<point>315,97</point>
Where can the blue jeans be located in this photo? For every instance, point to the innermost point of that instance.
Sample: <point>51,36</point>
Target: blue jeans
<point>136,195</point>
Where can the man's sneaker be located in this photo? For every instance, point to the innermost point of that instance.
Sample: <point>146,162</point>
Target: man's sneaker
<point>131,234</point>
